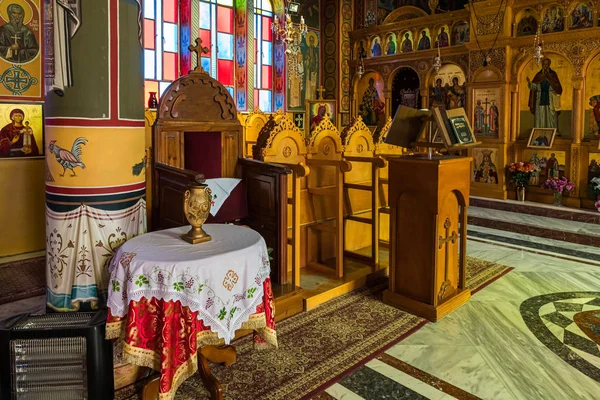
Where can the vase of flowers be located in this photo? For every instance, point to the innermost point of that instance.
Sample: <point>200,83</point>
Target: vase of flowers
<point>520,173</point>
<point>597,203</point>
<point>559,187</point>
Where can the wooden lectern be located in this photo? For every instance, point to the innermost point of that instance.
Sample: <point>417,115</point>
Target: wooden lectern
<point>428,197</point>
<point>428,229</point>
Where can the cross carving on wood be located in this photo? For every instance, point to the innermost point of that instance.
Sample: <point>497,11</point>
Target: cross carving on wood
<point>199,50</point>
<point>450,238</point>
<point>320,90</point>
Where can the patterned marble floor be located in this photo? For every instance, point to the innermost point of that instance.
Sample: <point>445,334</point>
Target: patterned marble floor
<point>533,334</point>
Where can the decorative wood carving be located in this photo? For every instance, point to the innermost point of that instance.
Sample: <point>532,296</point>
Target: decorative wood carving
<point>273,128</point>
<point>325,129</point>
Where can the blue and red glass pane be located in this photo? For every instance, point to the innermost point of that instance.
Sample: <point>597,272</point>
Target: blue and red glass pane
<point>170,11</point>
<point>225,2</point>
<point>225,72</point>
<point>205,62</point>
<point>267,53</point>
<point>224,19</point>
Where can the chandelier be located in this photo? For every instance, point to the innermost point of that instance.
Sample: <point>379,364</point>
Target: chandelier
<point>289,33</point>
<point>538,51</point>
<point>437,61</point>
<point>360,68</point>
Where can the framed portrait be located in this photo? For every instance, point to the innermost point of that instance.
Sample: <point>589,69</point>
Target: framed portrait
<point>541,138</point>
<point>317,111</point>
<point>21,130</point>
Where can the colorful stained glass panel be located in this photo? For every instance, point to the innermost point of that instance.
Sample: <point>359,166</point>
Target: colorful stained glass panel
<point>170,66</point>
<point>170,36</point>
<point>265,101</point>
<point>225,72</point>
<point>205,36</point>
<point>204,15</point>
<point>225,2</point>
<point>149,64</point>
<point>206,64</point>
<point>266,28</point>
<point>267,77</point>
<point>149,9</point>
<point>267,54</point>
<point>170,11</point>
<point>224,19</point>
<point>225,46</point>
<point>149,34</point>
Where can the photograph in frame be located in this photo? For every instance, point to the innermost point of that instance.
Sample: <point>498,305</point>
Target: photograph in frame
<point>541,138</point>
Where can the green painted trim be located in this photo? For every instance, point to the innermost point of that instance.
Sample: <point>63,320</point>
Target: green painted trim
<point>89,96</point>
<point>131,79</point>
<point>195,28</point>
<point>250,53</point>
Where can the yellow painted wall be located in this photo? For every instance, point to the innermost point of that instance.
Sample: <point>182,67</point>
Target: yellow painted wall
<point>22,206</point>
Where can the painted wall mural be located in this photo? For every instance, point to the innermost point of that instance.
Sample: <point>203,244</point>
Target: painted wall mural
<point>582,16</point>
<point>528,24</point>
<point>424,39</point>
<point>485,168</point>
<point>304,87</point>
<point>461,33</point>
<point>376,47</point>
<point>390,46</point>
<point>548,163</point>
<point>69,160</point>
<point>486,112</point>
<point>21,51</point>
<point>22,133</point>
<point>554,20</point>
<point>547,100</point>
<point>371,100</point>
<point>448,89</point>
<point>442,37</point>
<point>407,42</point>
<point>310,10</point>
<point>592,97</point>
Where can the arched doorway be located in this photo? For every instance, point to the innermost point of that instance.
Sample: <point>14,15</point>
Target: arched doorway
<point>405,89</point>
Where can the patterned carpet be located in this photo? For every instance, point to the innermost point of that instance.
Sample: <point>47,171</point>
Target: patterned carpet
<point>22,279</point>
<point>319,347</point>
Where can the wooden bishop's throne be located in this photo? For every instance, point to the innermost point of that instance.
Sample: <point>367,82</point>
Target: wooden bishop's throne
<point>197,131</point>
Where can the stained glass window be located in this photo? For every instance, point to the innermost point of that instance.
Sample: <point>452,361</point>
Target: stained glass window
<point>216,32</point>
<point>161,45</point>
<point>263,60</point>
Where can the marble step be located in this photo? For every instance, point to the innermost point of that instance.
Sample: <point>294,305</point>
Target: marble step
<point>572,231</point>
<point>538,209</point>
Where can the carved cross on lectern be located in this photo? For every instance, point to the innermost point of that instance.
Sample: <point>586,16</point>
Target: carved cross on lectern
<point>320,90</point>
<point>450,238</point>
<point>199,50</point>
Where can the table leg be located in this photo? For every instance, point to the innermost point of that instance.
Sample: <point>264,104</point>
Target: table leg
<point>221,355</point>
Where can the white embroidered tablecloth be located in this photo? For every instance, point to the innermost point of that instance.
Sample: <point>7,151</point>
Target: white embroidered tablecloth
<point>221,279</point>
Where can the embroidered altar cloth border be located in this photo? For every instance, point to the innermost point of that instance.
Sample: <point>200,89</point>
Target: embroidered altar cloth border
<point>221,279</point>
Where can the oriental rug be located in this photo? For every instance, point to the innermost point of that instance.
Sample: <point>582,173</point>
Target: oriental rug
<point>319,347</point>
<point>22,279</point>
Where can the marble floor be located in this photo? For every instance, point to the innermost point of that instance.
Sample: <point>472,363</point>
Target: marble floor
<point>533,334</point>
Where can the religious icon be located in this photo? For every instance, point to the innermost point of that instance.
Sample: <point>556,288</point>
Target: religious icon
<point>582,17</point>
<point>485,171</point>
<point>299,120</point>
<point>360,51</point>
<point>534,178</point>
<point>595,103</point>
<point>424,42</point>
<point>528,24</point>
<point>554,20</point>
<point>372,107</point>
<point>437,95</point>
<point>479,117</point>
<point>442,40</point>
<point>318,110</point>
<point>391,45</point>
<point>376,49</point>
<point>455,94</point>
<point>22,130</point>
<point>407,44</point>
<point>541,138</point>
<point>494,113</point>
<point>548,165</point>
<point>594,167</point>
<point>295,73</point>
<point>544,96</point>
<point>17,42</point>
<point>461,34</point>
<point>311,65</point>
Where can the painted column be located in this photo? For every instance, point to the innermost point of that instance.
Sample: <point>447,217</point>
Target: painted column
<point>95,182</point>
<point>577,135</point>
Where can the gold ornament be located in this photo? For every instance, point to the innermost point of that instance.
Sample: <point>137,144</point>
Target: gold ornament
<point>196,206</point>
